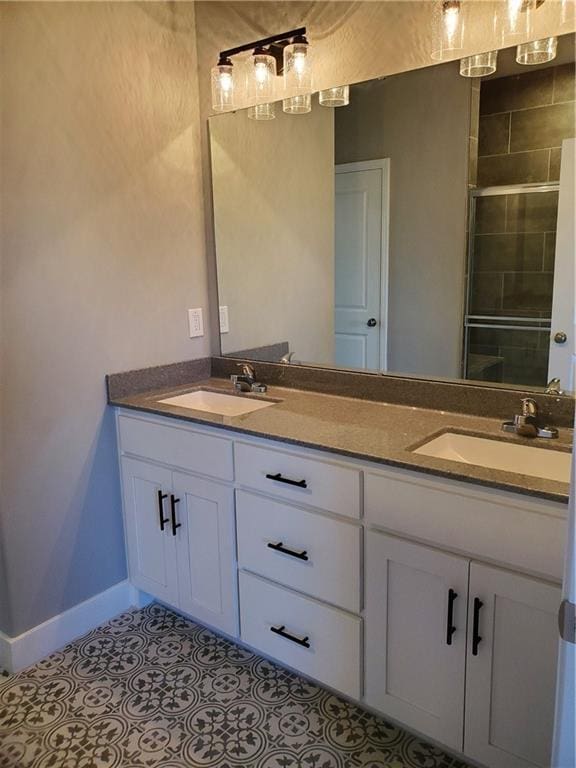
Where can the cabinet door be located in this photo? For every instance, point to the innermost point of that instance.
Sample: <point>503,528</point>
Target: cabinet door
<point>206,552</point>
<point>414,669</point>
<point>511,670</point>
<point>151,550</point>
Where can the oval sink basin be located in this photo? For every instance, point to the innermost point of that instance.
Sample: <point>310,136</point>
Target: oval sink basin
<point>218,402</point>
<point>535,461</point>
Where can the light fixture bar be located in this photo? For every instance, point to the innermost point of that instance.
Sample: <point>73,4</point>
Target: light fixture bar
<point>299,32</point>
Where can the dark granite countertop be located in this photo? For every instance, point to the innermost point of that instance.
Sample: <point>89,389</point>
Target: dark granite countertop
<point>362,429</point>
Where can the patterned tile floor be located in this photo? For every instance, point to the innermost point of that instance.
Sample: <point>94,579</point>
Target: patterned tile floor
<point>151,689</point>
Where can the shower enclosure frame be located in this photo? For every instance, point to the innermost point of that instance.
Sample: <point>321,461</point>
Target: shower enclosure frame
<point>503,322</point>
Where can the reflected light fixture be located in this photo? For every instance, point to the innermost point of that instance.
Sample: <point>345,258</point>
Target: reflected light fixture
<point>335,97</point>
<point>449,29</point>
<point>479,65</point>
<point>298,105</point>
<point>268,61</point>
<point>537,51</point>
<point>262,112</point>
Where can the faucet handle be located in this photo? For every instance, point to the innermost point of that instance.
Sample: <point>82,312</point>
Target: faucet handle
<point>554,387</point>
<point>247,370</point>
<point>529,406</point>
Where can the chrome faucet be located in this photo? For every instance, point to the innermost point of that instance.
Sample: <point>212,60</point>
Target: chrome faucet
<point>246,381</point>
<point>554,387</point>
<point>526,424</point>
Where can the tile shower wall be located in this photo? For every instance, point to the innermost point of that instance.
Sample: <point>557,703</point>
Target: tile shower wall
<point>512,277</point>
<point>523,120</point>
<point>513,258</point>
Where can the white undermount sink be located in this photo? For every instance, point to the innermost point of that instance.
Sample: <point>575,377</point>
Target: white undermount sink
<point>535,461</point>
<point>218,402</point>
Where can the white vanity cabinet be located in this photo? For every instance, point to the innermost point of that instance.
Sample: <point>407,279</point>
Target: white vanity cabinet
<point>205,552</point>
<point>151,550</point>
<point>432,601</point>
<point>416,608</point>
<point>180,533</point>
<point>446,637</point>
<point>498,665</point>
<point>511,671</point>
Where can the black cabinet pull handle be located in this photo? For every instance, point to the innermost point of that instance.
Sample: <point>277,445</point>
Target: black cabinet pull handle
<point>279,547</point>
<point>175,525</point>
<point>303,641</point>
<point>279,479</point>
<point>476,638</point>
<point>450,628</point>
<point>163,520</point>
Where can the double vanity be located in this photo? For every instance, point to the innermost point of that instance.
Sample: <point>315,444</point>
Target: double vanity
<point>409,559</point>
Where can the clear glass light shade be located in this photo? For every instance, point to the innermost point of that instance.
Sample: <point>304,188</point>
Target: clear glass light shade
<point>222,88</point>
<point>567,13</point>
<point>262,76</point>
<point>262,112</point>
<point>297,68</point>
<point>537,52</point>
<point>516,21</point>
<point>480,65</point>
<point>335,97</point>
<point>298,105</point>
<point>448,29</point>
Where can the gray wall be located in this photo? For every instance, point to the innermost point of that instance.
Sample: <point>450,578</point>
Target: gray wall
<point>421,121</point>
<point>102,254</point>
<point>273,188</point>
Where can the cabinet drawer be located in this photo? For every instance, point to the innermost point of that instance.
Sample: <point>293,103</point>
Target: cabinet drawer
<point>321,556</point>
<point>501,527</point>
<point>177,446</point>
<point>333,655</point>
<point>300,479</point>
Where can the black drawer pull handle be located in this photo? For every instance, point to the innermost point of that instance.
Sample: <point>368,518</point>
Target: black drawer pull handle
<point>476,638</point>
<point>163,520</point>
<point>279,479</point>
<point>298,640</point>
<point>280,548</point>
<point>175,525</point>
<point>450,628</point>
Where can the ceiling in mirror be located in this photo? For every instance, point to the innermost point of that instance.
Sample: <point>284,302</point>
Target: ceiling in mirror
<point>425,228</point>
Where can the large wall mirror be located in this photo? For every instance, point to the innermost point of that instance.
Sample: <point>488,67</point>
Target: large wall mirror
<point>424,229</point>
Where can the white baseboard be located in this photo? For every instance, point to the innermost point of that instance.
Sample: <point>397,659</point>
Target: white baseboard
<point>37,643</point>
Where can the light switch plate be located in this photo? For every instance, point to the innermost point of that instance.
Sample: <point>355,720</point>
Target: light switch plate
<point>224,326</point>
<point>195,323</point>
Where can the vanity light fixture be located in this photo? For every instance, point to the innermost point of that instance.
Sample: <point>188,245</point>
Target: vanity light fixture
<point>479,65</point>
<point>449,29</point>
<point>297,76</point>
<point>261,82</point>
<point>222,85</point>
<point>537,51</point>
<point>274,55</point>
<point>514,23</point>
<point>335,97</point>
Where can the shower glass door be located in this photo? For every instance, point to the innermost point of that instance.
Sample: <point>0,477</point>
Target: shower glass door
<point>510,281</point>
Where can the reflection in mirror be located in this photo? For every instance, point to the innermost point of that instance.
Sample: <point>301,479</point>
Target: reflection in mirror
<point>425,229</point>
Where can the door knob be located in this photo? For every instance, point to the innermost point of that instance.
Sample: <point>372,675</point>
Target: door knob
<point>560,337</point>
<point>371,323</point>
